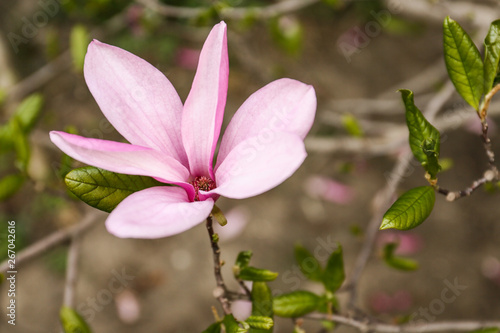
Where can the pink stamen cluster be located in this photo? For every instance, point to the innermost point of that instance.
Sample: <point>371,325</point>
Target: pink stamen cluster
<point>202,183</point>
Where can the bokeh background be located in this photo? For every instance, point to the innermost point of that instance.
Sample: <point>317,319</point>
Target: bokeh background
<point>356,54</point>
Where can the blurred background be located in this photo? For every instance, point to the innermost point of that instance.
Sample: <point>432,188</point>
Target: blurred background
<point>355,53</point>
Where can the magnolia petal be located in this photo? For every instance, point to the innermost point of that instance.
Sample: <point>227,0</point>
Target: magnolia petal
<point>284,105</point>
<point>120,157</point>
<point>138,100</point>
<point>256,166</point>
<point>204,107</point>
<point>157,212</point>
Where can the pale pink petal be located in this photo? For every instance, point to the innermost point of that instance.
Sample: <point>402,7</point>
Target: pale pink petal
<point>157,212</point>
<point>136,98</point>
<point>255,166</point>
<point>241,309</point>
<point>284,105</point>
<point>325,188</point>
<point>120,157</point>
<point>204,107</point>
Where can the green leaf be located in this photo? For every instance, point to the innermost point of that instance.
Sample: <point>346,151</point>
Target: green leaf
<point>334,271</point>
<point>401,263</point>
<point>28,111</point>
<point>250,273</point>
<point>262,304</point>
<point>296,304</point>
<point>308,264</point>
<point>352,125</point>
<point>72,322</point>
<point>262,300</point>
<point>103,189</point>
<point>463,62</point>
<point>288,34</point>
<point>260,322</point>
<point>214,328</point>
<point>243,259</point>
<point>491,55</point>
<point>9,185</point>
<point>424,138</point>
<point>79,41</point>
<point>410,210</point>
<point>21,145</point>
<point>232,325</point>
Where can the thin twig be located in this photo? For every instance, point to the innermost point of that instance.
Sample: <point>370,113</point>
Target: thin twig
<point>363,326</point>
<point>53,240</point>
<point>221,291</point>
<point>72,271</point>
<point>385,198</point>
<point>236,13</point>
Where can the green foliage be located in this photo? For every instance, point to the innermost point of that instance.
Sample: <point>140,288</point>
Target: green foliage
<point>424,138</point>
<point>28,112</point>
<point>72,322</point>
<point>401,263</point>
<point>334,275</point>
<point>214,328</point>
<point>232,325</point>
<point>262,304</point>
<point>79,40</point>
<point>491,55</point>
<point>219,216</point>
<point>308,264</point>
<point>487,330</point>
<point>260,323</point>
<point>352,125</point>
<point>296,304</point>
<point>103,189</point>
<point>243,259</point>
<point>463,62</point>
<point>10,184</point>
<point>250,273</point>
<point>410,210</point>
<point>288,34</point>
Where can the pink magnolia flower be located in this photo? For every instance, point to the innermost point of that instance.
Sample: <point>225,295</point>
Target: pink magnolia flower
<point>174,143</point>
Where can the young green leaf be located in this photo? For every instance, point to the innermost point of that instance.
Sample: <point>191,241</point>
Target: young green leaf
<point>262,304</point>
<point>334,271</point>
<point>424,138</point>
<point>219,216</point>
<point>9,185</point>
<point>487,330</point>
<point>250,273</point>
<point>296,304</point>
<point>103,189</point>
<point>243,259</point>
<point>79,40</point>
<point>308,264</point>
<point>352,125</point>
<point>410,210</point>
<point>260,323</point>
<point>401,263</point>
<point>214,328</point>
<point>232,325</point>
<point>491,55</point>
<point>72,322</point>
<point>463,62</point>
<point>28,112</point>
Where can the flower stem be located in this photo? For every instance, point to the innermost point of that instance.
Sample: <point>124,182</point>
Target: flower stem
<point>221,291</point>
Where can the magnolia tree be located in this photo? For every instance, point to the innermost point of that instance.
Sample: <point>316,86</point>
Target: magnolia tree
<point>172,170</point>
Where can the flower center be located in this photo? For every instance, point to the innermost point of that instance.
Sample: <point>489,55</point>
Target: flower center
<point>202,184</point>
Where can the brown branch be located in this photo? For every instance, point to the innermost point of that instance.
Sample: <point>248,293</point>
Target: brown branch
<point>366,326</point>
<point>72,271</point>
<point>261,13</point>
<point>221,292</point>
<point>53,240</point>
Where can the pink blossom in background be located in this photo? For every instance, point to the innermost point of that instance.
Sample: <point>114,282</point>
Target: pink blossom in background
<point>409,243</point>
<point>381,302</point>
<point>128,307</point>
<point>241,309</point>
<point>262,146</point>
<point>237,219</point>
<point>324,188</point>
<point>187,58</point>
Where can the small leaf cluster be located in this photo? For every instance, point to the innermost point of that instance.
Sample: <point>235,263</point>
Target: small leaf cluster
<point>14,140</point>
<point>473,78</point>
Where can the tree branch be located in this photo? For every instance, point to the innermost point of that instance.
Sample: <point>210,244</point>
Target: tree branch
<point>72,271</point>
<point>53,240</point>
<point>366,326</point>
<point>221,292</point>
